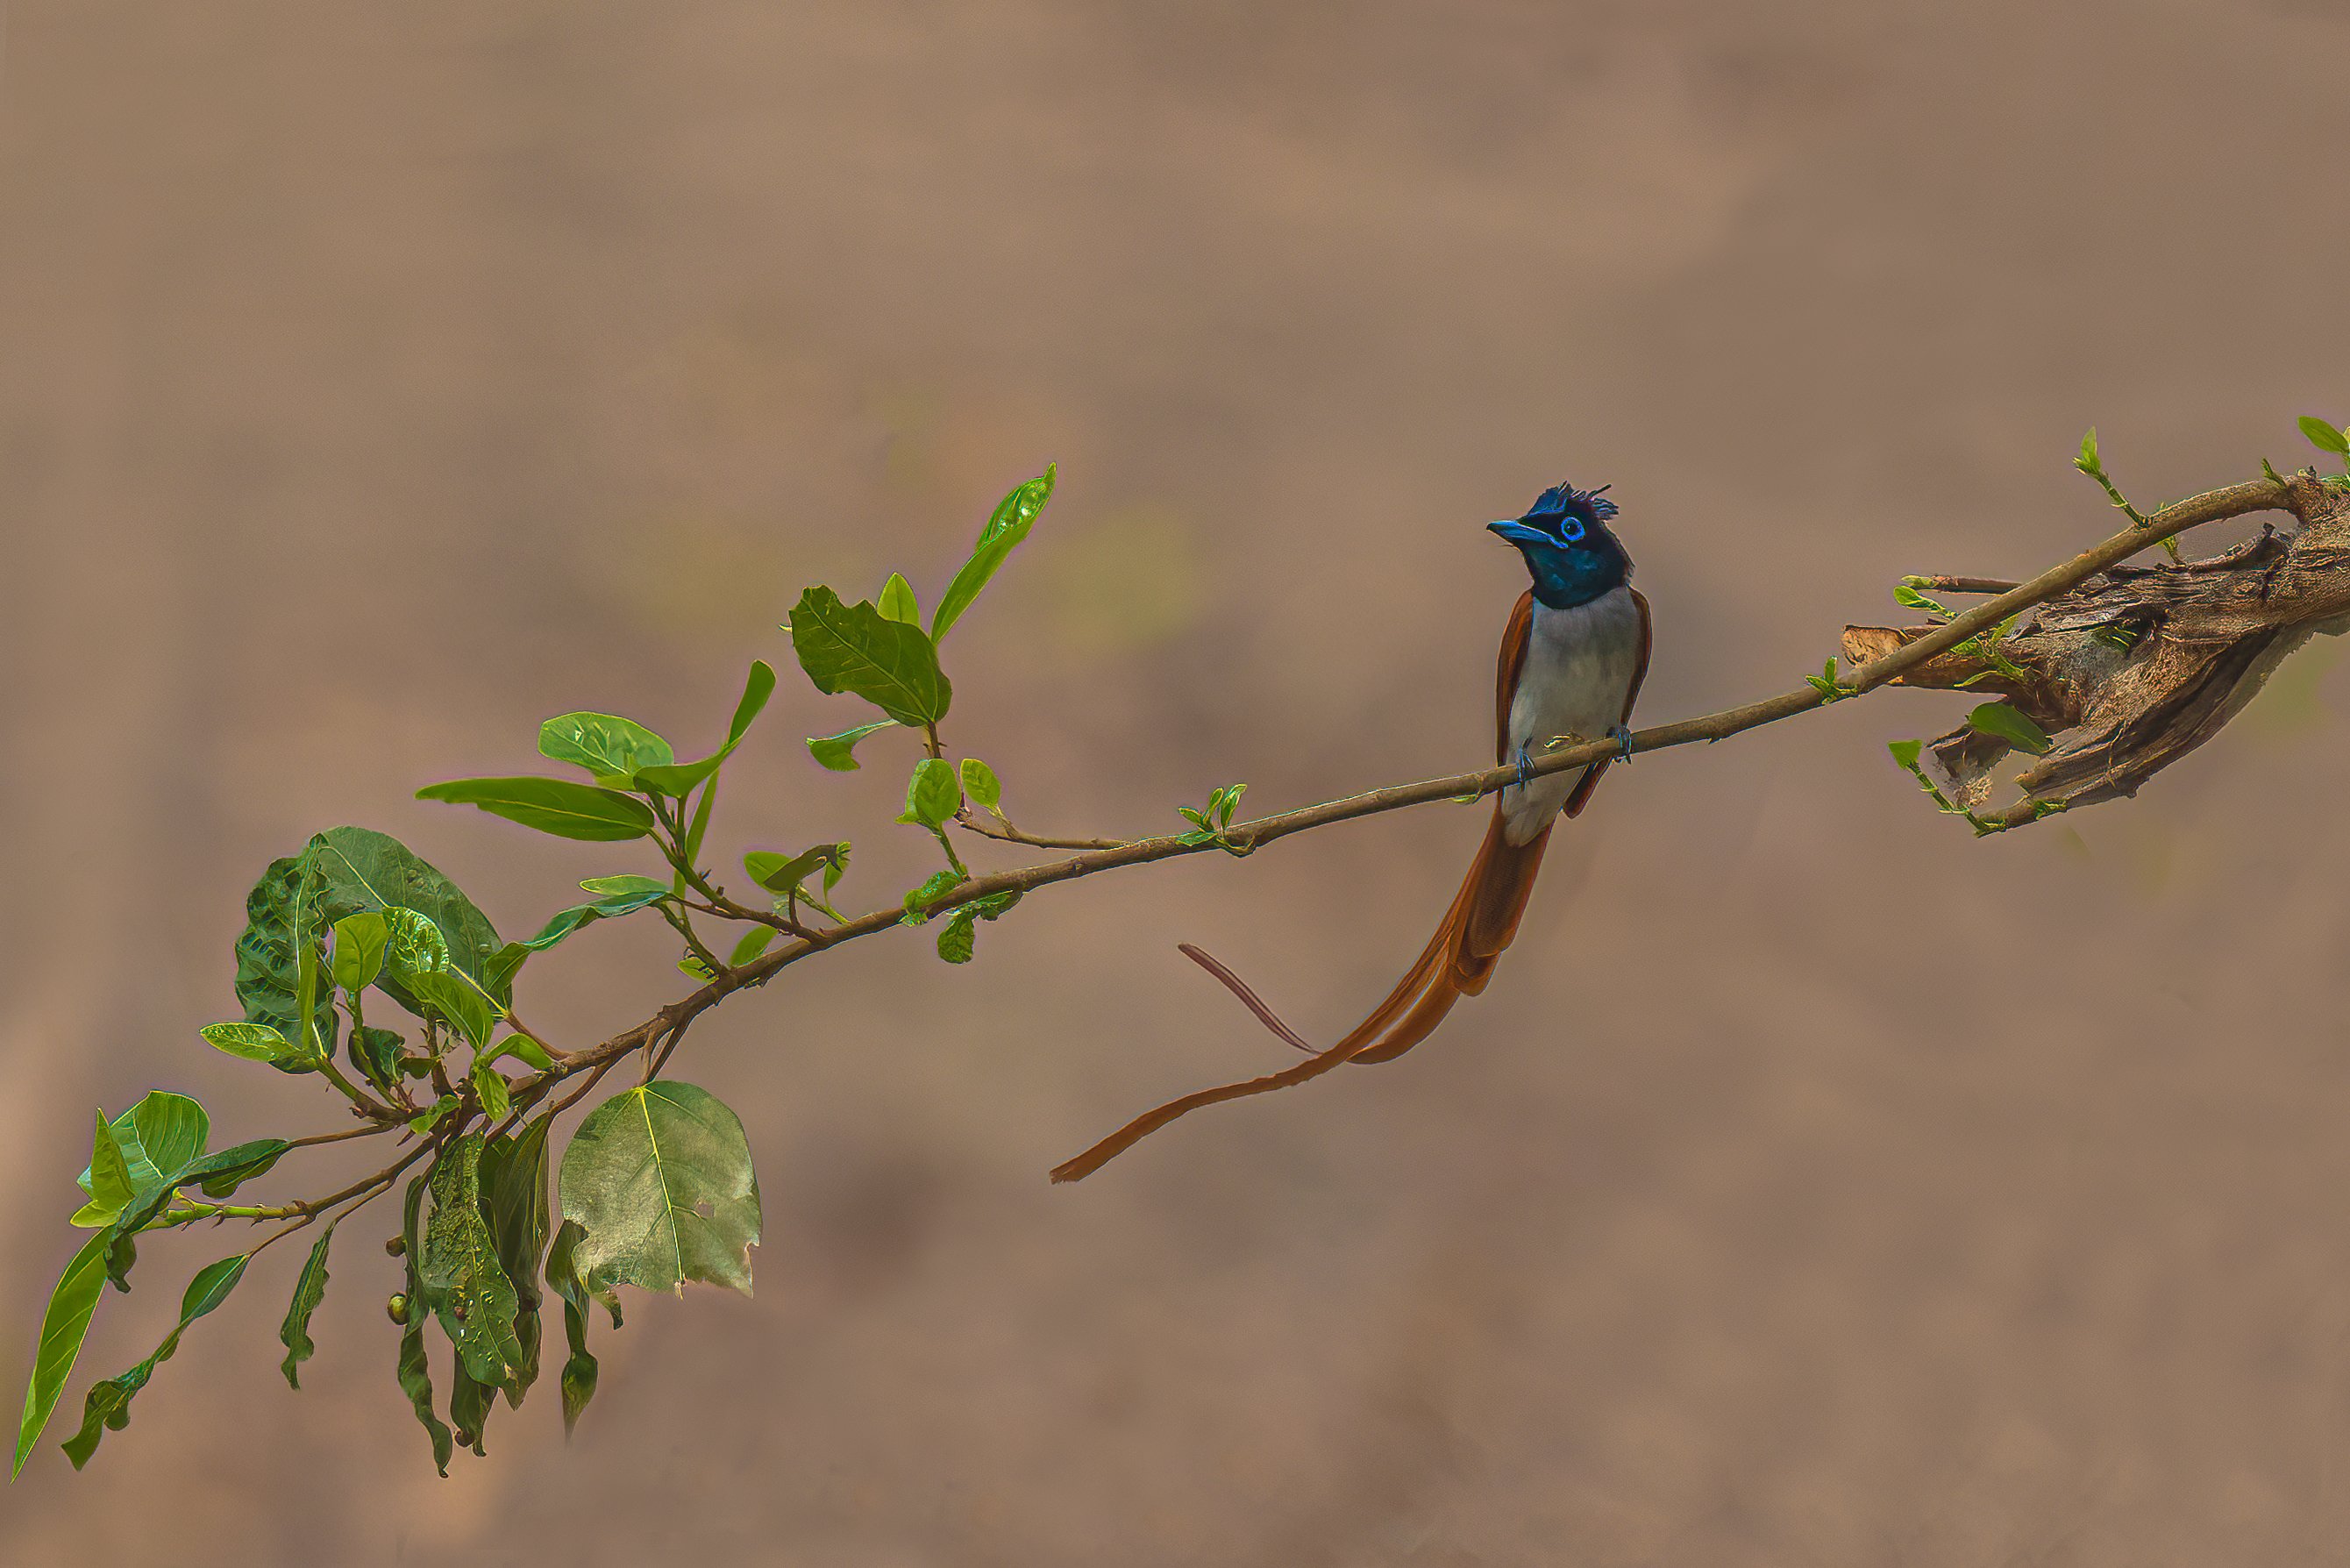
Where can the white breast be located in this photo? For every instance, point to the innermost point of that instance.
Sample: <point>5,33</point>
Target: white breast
<point>1580,665</point>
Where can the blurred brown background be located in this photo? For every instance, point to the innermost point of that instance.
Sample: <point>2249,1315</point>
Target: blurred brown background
<point>1814,1185</point>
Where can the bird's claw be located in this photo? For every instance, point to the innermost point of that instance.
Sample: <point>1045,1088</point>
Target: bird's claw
<point>1622,735</point>
<point>1526,767</point>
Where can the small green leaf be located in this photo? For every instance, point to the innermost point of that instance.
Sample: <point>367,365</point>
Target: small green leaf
<point>449,997</point>
<point>109,1172</point>
<point>522,1048</point>
<point>415,945</point>
<point>254,1042</point>
<point>642,893</point>
<point>413,1370</point>
<point>691,965</point>
<point>309,1290</point>
<point>681,780</point>
<point>979,782</point>
<point>897,602</point>
<point>2323,436</point>
<point>63,1328</point>
<point>958,937</point>
<point>2088,461</point>
<point>107,1407</point>
<point>854,648</point>
<point>1013,516</point>
<point>559,806</point>
<point>932,796</point>
<point>359,943</point>
<point>1906,751</point>
<point>563,1276</point>
<point>940,884</point>
<point>621,887</point>
<point>609,747</point>
<point>2003,722</point>
<point>425,1120</point>
<point>754,942</point>
<point>658,1180</point>
<point>838,752</point>
<point>163,1131</point>
<point>491,1088</point>
<point>462,1281</point>
<point>777,875</point>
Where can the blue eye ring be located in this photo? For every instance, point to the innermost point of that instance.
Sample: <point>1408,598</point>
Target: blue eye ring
<point>1570,529</point>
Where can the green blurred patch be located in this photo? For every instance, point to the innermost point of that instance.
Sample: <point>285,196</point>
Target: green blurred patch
<point>1131,580</point>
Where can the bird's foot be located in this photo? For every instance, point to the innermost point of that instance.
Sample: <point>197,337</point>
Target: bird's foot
<point>1526,767</point>
<point>1622,735</point>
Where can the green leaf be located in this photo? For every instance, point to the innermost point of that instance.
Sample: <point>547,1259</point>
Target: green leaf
<point>370,870</point>
<point>360,941</point>
<point>754,942</point>
<point>897,602</point>
<point>609,747</point>
<point>309,1290</point>
<point>514,1205</point>
<point>1015,515</point>
<point>63,1328</point>
<point>2003,722</point>
<point>562,1275</point>
<point>620,887</point>
<point>413,1370</point>
<point>659,1178</point>
<point>425,1120</point>
<point>1906,751</point>
<point>838,752</point>
<point>416,946</point>
<point>680,780</point>
<point>254,1042</point>
<point>375,1054</point>
<point>522,1048</point>
<point>932,796</point>
<point>286,917</point>
<point>610,907</point>
<point>2323,436</point>
<point>163,1131</point>
<point>853,649</point>
<point>107,1407</point>
<point>447,996</point>
<point>2088,461</point>
<point>777,875</point>
<point>219,1175</point>
<point>939,886</point>
<point>461,1278</point>
<point>979,782</point>
<point>491,1088</point>
<point>109,1172</point>
<point>958,937</point>
<point>559,806</point>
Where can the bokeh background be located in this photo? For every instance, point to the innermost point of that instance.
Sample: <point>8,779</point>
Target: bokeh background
<point>1813,1185</point>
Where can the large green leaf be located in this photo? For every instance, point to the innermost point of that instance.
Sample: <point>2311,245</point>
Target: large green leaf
<point>1013,516</point>
<point>857,649</point>
<point>259,1042</point>
<point>63,1328</point>
<point>360,941</point>
<point>309,1290</point>
<point>681,779</point>
<point>514,1204</point>
<point>609,747</point>
<point>660,1178</point>
<point>286,917</point>
<point>413,1369</point>
<point>559,806</point>
<point>370,870</point>
<point>107,1407</point>
<point>462,1283</point>
<point>109,1172</point>
<point>2323,436</point>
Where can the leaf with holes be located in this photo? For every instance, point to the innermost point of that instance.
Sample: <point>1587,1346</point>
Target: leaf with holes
<point>462,1281</point>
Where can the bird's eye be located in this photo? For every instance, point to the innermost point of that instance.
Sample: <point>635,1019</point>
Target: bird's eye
<point>1570,529</point>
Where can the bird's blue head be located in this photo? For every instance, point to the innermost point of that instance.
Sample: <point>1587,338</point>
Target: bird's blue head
<point>1570,553</point>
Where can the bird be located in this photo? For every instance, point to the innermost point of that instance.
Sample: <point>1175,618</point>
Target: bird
<point>1574,653</point>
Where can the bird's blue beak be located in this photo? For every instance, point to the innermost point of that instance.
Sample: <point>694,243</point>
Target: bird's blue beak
<point>1520,534</point>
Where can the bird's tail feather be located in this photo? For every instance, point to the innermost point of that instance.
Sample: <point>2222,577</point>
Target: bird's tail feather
<point>1458,962</point>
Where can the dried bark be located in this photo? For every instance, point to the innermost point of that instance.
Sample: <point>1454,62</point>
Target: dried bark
<point>2136,666</point>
